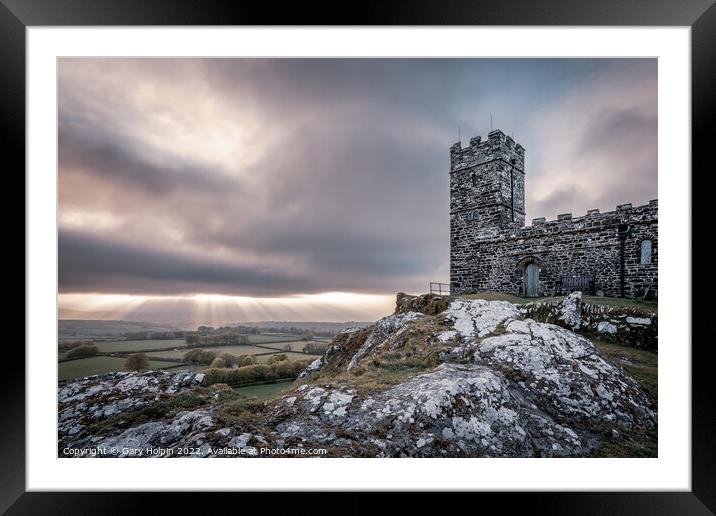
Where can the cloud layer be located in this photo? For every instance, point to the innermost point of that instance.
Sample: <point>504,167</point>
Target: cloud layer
<point>277,177</point>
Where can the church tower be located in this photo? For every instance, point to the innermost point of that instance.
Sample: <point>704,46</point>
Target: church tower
<point>487,195</point>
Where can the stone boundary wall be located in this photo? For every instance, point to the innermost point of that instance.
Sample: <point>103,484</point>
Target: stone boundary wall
<point>620,325</point>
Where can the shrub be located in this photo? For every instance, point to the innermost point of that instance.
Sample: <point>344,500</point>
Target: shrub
<point>315,348</point>
<point>278,357</point>
<point>194,340</point>
<point>247,360</point>
<point>284,369</point>
<point>300,365</point>
<point>82,351</point>
<point>199,356</point>
<point>68,345</point>
<point>137,362</point>
<point>225,360</point>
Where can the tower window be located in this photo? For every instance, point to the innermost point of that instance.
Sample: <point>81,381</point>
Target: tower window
<point>473,178</point>
<point>646,252</point>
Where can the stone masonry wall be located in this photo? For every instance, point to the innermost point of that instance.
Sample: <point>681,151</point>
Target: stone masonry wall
<point>583,246</point>
<point>489,251</point>
<point>487,182</point>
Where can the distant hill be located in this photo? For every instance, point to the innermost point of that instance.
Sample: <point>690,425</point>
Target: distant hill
<point>68,328</point>
<point>307,325</point>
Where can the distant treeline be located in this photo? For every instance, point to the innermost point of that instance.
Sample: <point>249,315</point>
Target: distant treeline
<point>77,349</point>
<point>67,345</point>
<point>255,330</point>
<point>154,335</point>
<point>248,374</point>
<point>315,348</point>
<point>196,340</point>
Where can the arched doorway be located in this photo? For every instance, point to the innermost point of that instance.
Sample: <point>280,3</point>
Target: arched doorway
<point>531,279</point>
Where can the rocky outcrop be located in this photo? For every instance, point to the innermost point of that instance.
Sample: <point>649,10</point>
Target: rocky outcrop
<point>92,399</point>
<point>626,325</point>
<point>428,304</point>
<point>479,379</point>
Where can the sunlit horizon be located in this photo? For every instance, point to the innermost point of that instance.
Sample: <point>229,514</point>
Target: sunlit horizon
<point>218,309</point>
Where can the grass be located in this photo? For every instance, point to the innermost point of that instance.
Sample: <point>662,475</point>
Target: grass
<point>264,353</point>
<point>639,363</point>
<point>369,380</point>
<point>170,405</point>
<point>234,350</point>
<point>499,296</point>
<point>290,355</point>
<point>636,446</point>
<point>138,345</point>
<point>385,368</point>
<point>297,345</point>
<point>643,367</point>
<point>261,339</point>
<point>646,306</point>
<point>98,365</point>
<point>264,391</point>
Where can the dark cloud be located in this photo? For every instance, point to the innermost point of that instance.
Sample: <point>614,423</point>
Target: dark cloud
<point>91,264</point>
<point>272,177</point>
<point>616,131</point>
<point>107,158</point>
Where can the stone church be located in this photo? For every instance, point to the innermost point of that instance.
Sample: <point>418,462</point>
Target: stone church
<point>612,254</point>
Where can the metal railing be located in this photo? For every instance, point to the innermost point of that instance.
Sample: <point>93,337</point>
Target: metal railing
<point>439,288</point>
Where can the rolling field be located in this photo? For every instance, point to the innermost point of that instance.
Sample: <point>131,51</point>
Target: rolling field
<point>137,345</point>
<point>260,339</point>
<point>71,369</point>
<point>295,345</point>
<point>267,390</point>
<point>234,350</point>
<point>290,355</point>
<point>98,365</point>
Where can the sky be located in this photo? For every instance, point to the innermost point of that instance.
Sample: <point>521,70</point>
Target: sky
<point>233,190</point>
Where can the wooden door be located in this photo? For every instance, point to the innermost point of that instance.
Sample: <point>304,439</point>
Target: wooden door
<point>531,280</point>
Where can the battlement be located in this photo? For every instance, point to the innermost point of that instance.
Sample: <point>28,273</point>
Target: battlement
<point>492,249</point>
<point>497,146</point>
<point>622,210</point>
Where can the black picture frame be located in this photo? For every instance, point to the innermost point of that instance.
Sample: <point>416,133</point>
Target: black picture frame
<point>17,15</point>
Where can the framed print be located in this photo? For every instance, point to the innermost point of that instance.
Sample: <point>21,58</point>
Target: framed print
<point>435,250</point>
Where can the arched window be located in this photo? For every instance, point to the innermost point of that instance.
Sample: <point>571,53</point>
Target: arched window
<point>473,177</point>
<point>646,252</point>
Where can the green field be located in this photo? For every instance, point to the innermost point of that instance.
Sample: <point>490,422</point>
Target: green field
<point>137,345</point>
<point>640,363</point>
<point>98,365</point>
<point>290,355</point>
<point>234,350</point>
<point>260,339</point>
<point>266,390</point>
<point>297,345</point>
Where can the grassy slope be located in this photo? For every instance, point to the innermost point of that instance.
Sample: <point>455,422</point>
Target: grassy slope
<point>266,390</point>
<point>98,365</point>
<point>643,367</point>
<point>137,345</point>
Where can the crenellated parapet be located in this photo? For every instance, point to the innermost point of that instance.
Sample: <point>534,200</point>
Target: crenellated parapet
<point>625,212</point>
<point>497,146</point>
